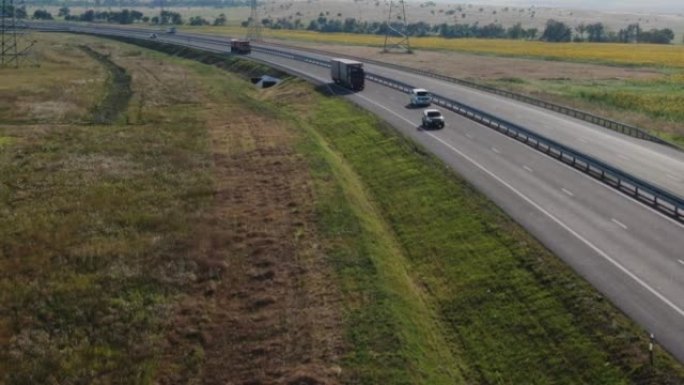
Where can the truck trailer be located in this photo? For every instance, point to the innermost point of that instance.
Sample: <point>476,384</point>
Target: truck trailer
<point>347,73</point>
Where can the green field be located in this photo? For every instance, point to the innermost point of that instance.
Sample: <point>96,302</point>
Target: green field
<point>655,104</point>
<point>105,238</point>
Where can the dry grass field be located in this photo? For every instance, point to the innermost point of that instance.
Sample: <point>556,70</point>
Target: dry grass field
<point>60,91</point>
<point>212,232</point>
<point>124,246</point>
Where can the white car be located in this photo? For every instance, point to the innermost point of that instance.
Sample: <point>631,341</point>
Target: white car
<point>420,97</point>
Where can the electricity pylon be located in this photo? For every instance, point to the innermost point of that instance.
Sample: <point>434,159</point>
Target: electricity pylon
<point>14,41</point>
<point>254,26</point>
<point>396,35</point>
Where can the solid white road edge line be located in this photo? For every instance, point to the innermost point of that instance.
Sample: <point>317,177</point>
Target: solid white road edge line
<point>603,254</point>
<point>599,183</point>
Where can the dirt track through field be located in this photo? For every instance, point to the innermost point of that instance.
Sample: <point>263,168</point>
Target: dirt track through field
<point>118,93</point>
<point>265,311</point>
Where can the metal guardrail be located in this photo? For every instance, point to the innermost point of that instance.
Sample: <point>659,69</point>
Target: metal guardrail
<point>572,112</point>
<point>639,189</point>
<point>643,191</point>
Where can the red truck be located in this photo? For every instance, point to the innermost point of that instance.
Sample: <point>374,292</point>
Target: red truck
<point>239,46</point>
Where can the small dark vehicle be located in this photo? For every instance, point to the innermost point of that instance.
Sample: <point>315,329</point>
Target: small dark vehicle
<point>241,47</point>
<point>433,119</point>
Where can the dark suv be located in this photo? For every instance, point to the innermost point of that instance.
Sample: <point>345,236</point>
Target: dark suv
<point>433,119</point>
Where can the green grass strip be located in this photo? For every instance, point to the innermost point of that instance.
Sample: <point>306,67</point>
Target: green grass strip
<point>394,336</point>
<point>438,261</point>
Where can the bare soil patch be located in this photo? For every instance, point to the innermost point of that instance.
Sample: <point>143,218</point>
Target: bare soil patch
<point>263,310</point>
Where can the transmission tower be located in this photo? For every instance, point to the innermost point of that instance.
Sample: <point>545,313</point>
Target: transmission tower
<point>396,37</point>
<point>254,26</point>
<point>14,41</point>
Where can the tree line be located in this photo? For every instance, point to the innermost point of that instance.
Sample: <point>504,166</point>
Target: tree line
<point>126,16</point>
<point>555,31</point>
<point>418,29</point>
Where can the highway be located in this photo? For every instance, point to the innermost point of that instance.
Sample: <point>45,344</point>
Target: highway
<point>660,165</point>
<point>629,252</point>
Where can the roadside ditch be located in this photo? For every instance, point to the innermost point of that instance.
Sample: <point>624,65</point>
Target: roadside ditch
<point>118,90</point>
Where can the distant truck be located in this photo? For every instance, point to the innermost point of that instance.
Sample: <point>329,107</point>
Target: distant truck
<point>239,46</point>
<point>348,73</point>
<point>171,30</point>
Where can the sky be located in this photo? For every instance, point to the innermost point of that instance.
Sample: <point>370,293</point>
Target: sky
<point>669,6</point>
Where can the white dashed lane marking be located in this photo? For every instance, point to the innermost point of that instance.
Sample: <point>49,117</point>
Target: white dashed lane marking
<point>619,223</point>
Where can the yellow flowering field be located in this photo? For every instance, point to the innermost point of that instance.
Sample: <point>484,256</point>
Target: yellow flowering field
<point>640,54</point>
<point>628,54</point>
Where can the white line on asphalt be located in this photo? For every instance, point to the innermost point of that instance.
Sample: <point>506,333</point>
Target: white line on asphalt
<point>562,224</point>
<point>496,150</point>
<point>627,197</point>
<point>528,169</point>
<point>598,182</point>
<point>568,192</point>
<point>583,140</point>
<point>680,261</point>
<point>469,136</point>
<point>619,223</point>
<point>672,176</point>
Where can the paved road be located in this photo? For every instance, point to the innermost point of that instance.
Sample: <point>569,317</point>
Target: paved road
<point>630,253</point>
<point>660,165</point>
